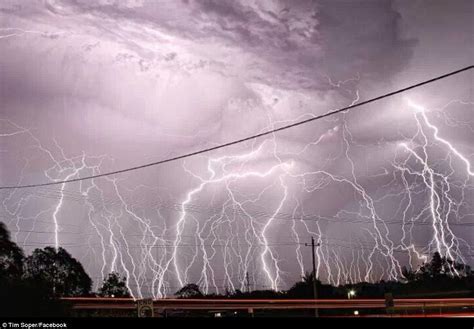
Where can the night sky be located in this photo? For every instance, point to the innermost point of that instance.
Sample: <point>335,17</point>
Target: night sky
<point>88,87</point>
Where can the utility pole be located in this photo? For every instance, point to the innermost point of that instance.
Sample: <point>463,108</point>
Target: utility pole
<point>55,271</point>
<point>248,281</point>
<point>315,287</point>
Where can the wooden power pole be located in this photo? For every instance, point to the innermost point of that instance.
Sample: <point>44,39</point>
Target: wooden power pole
<point>248,281</point>
<point>315,286</point>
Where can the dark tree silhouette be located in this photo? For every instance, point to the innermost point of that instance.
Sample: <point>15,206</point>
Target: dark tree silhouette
<point>304,288</point>
<point>29,298</point>
<point>434,268</point>
<point>441,267</point>
<point>308,278</point>
<point>114,286</point>
<point>408,274</point>
<point>190,290</point>
<point>22,297</point>
<point>62,273</point>
<point>11,256</point>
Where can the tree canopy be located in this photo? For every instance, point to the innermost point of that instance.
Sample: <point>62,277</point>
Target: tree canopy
<point>438,267</point>
<point>11,256</point>
<point>190,290</point>
<point>22,296</point>
<point>114,286</point>
<point>64,274</point>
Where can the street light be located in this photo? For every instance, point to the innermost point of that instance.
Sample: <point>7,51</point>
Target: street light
<point>351,293</point>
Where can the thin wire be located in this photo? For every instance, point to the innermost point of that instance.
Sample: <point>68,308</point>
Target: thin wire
<point>238,141</point>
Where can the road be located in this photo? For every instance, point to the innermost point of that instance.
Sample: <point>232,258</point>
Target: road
<point>443,306</point>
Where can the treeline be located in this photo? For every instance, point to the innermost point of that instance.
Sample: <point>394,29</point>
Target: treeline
<point>31,285</point>
<point>440,277</point>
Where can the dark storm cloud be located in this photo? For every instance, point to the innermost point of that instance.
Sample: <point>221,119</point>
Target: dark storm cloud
<point>283,45</point>
<point>372,42</point>
<point>298,41</point>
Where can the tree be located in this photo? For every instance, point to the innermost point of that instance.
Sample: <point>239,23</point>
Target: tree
<point>62,273</point>
<point>11,256</point>
<point>436,265</point>
<point>30,298</point>
<point>114,286</point>
<point>408,274</point>
<point>442,267</point>
<point>22,297</point>
<point>190,290</point>
<point>304,288</point>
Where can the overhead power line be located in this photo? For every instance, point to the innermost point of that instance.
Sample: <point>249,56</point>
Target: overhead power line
<point>238,141</point>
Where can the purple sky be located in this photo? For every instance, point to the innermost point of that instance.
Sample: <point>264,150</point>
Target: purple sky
<point>88,88</point>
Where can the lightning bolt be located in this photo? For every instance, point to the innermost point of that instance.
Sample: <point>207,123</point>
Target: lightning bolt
<point>222,232</point>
